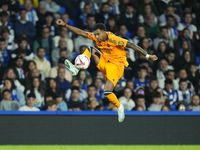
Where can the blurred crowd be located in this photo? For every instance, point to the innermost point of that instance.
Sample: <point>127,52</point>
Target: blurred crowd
<point>33,50</point>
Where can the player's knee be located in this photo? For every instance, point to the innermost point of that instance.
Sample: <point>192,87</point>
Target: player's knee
<point>107,93</point>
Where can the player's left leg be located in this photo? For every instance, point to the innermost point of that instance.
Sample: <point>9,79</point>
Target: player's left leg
<point>113,74</point>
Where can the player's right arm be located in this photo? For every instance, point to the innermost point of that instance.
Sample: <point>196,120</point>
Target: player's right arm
<point>73,29</point>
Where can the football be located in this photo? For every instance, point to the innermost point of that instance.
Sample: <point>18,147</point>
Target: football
<point>82,61</point>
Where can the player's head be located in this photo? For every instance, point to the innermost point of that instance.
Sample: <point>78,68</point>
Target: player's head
<point>99,32</point>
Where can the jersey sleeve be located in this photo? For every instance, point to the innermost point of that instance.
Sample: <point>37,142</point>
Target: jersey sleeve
<point>91,36</point>
<point>120,41</point>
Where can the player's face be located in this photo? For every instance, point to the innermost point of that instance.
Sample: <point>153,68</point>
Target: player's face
<point>99,35</point>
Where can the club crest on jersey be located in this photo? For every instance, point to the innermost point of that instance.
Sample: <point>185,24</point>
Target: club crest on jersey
<point>121,43</point>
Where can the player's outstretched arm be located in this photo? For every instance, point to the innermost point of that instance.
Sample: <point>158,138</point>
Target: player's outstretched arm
<point>73,29</point>
<point>140,50</point>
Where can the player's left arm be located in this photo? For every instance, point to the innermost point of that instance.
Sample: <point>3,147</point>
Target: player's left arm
<point>140,50</point>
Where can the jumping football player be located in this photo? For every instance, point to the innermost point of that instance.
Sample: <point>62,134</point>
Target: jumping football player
<point>111,61</point>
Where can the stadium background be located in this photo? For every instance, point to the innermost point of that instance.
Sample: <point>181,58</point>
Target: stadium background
<point>100,128</point>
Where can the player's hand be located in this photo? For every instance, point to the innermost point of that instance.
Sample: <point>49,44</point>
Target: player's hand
<point>153,57</point>
<point>60,22</point>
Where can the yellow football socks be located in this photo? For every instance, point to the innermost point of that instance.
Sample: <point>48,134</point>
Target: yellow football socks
<point>112,98</point>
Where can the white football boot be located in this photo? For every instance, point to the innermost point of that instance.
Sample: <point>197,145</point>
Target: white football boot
<point>121,114</point>
<point>72,68</point>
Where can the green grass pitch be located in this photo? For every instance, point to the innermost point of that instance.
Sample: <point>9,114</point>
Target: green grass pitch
<point>101,147</point>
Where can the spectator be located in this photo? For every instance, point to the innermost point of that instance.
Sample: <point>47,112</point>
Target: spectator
<point>5,33</point>
<point>170,56</point>
<point>51,105</point>
<point>31,14</point>
<point>160,53</point>
<point>170,74</point>
<point>146,11</point>
<point>193,74</point>
<point>194,105</point>
<point>2,69</point>
<point>141,81</point>
<point>50,6</point>
<point>91,91</point>
<point>151,28</point>
<point>165,108</point>
<point>61,104</point>
<point>84,79</point>
<point>62,83</point>
<point>140,102</point>
<point>155,106</point>
<point>33,71</point>
<point>126,100</point>
<point>9,73</point>
<point>54,70</point>
<point>163,98</point>
<point>147,6</point>
<point>186,60</point>
<point>114,8</point>
<point>129,18</point>
<point>4,23</point>
<point>49,22</point>
<point>164,37</point>
<point>183,94</point>
<point>171,25</point>
<point>92,105</point>
<point>41,62</point>
<point>124,33</point>
<point>139,108</point>
<point>149,90</point>
<point>23,48</point>
<point>188,24</point>
<point>30,101</point>
<point>82,93</point>
<point>44,41</point>
<point>83,17</point>
<point>103,16</point>
<point>197,45</point>
<point>141,33</point>
<point>61,51</point>
<point>4,53</point>
<point>111,107</point>
<point>15,92</point>
<point>99,89</point>
<point>63,34</point>
<point>163,67</point>
<point>169,11</point>
<point>22,26</point>
<point>181,107</point>
<point>93,5</point>
<point>53,89</point>
<point>38,88</point>
<point>41,11</point>
<point>90,22</point>
<point>168,92</point>
<point>129,84</point>
<point>8,103</point>
<point>74,100</point>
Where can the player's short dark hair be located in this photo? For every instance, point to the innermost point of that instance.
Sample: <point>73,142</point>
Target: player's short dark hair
<point>168,81</point>
<point>100,26</point>
<point>2,40</point>
<point>182,80</point>
<point>143,68</point>
<point>6,90</point>
<point>156,95</point>
<point>3,13</point>
<point>153,78</point>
